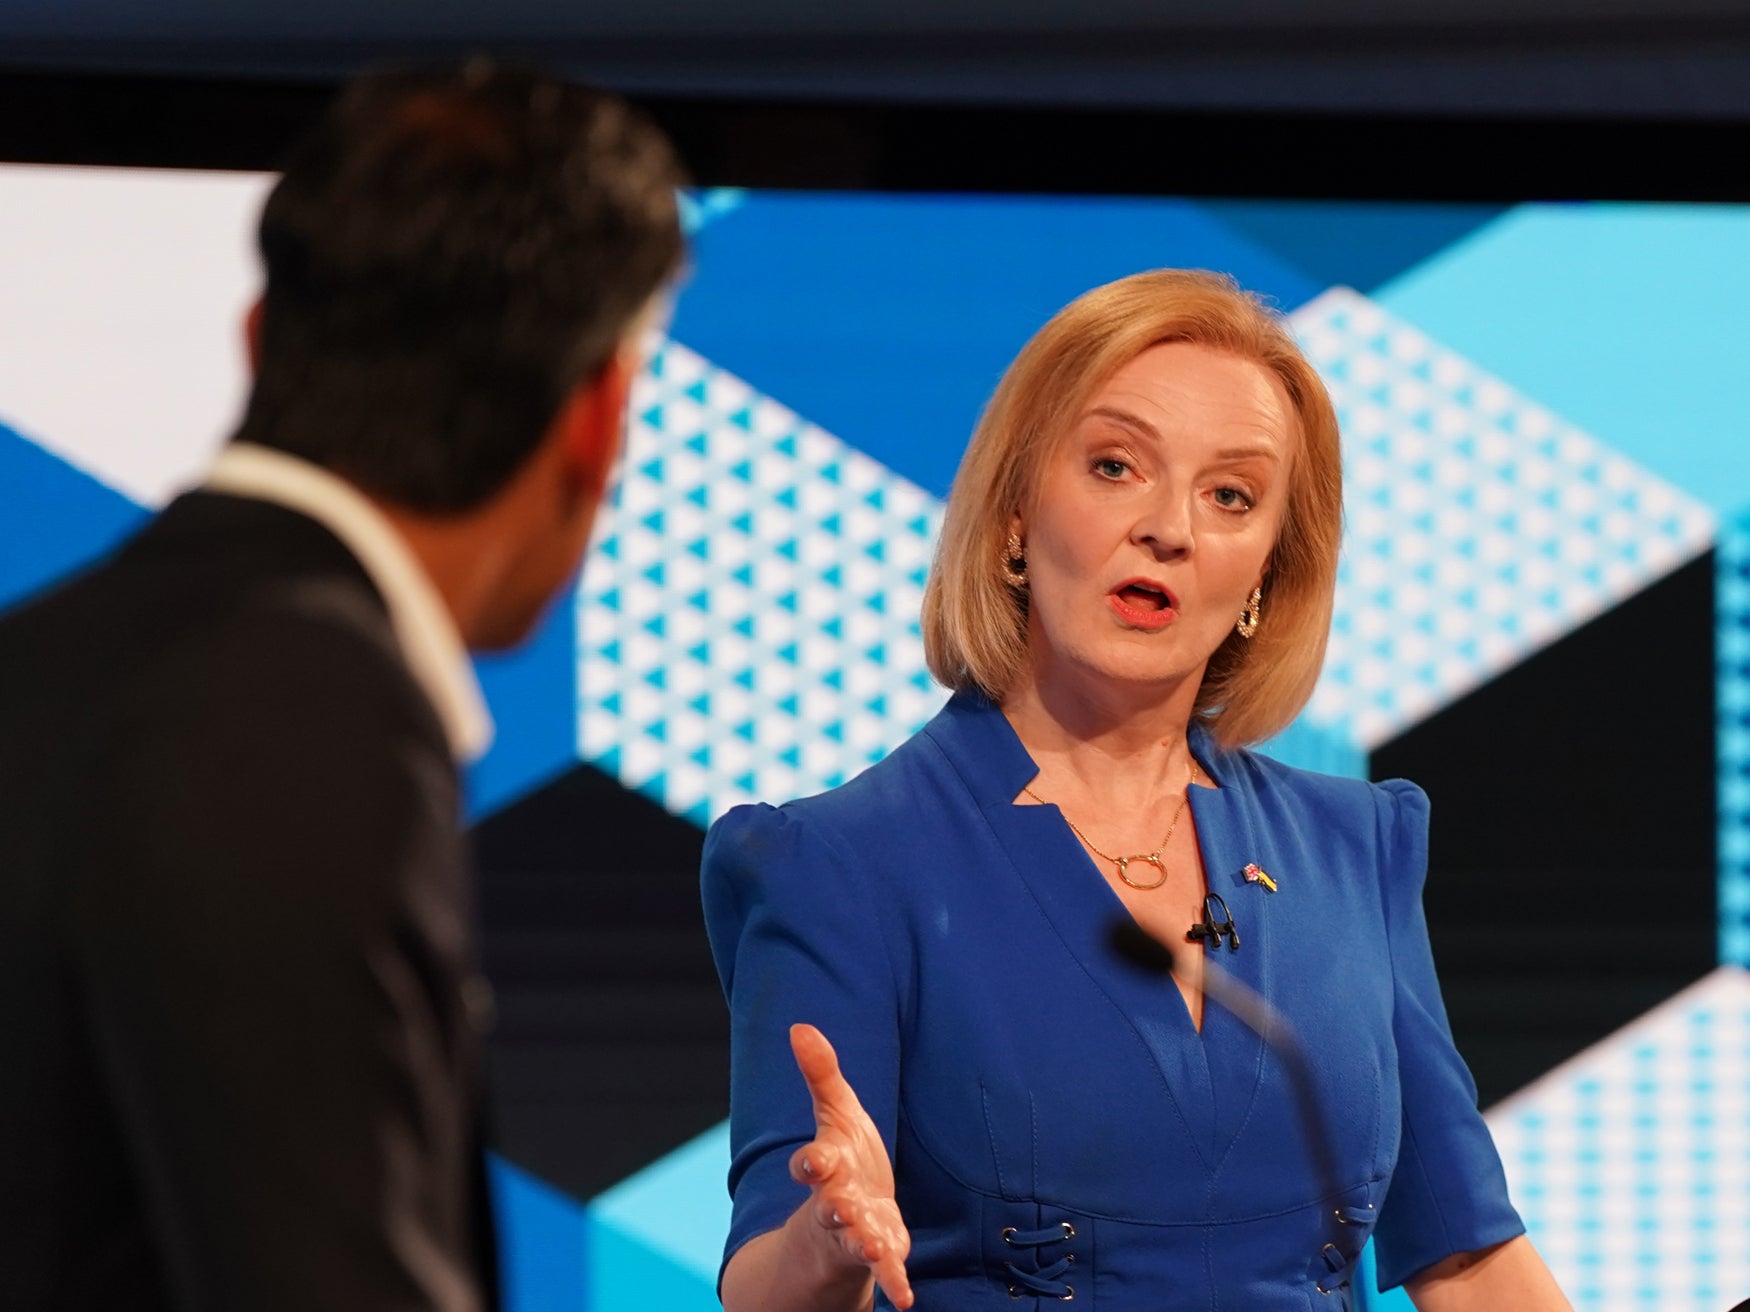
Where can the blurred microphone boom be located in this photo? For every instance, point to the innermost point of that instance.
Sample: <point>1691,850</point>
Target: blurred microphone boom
<point>1153,956</point>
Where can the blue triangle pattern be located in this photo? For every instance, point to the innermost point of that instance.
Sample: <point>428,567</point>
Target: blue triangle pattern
<point>1470,506</point>
<point>771,570</point>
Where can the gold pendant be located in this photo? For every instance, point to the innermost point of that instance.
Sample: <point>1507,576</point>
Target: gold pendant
<point>1124,873</point>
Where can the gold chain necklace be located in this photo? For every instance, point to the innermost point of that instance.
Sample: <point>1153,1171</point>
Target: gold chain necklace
<point>1123,862</point>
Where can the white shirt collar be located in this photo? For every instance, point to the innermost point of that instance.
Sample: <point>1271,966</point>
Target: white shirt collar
<point>427,634</point>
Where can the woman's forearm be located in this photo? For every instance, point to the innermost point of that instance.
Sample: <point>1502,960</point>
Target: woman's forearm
<point>795,1268</point>
<point>1509,1275</point>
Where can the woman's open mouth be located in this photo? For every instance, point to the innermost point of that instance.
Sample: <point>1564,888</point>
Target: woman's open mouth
<point>1143,604</point>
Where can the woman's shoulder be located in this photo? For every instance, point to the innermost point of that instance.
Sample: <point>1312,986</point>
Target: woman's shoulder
<point>1347,823</point>
<point>1337,798</point>
<point>872,802</point>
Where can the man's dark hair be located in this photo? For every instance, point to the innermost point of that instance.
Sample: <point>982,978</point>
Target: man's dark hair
<point>449,254</point>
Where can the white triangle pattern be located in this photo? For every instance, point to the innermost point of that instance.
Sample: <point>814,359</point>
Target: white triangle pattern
<point>1631,1163</point>
<point>748,620</point>
<point>1480,526</point>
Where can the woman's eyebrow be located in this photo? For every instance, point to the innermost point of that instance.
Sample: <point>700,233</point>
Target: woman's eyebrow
<point>1258,452</point>
<point>1126,419</point>
<point>1251,451</point>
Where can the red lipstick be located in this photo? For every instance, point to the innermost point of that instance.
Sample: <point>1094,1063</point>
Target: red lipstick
<point>1143,604</point>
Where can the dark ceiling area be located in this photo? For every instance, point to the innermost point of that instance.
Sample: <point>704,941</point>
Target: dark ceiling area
<point>1654,59</point>
<point>140,120</point>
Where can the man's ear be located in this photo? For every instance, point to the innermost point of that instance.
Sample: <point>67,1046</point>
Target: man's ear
<point>252,334</point>
<point>592,424</point>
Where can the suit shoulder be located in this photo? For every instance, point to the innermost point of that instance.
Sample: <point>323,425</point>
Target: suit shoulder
<point>290,729</point>
<point>321,645</point>
<point>130,656</point>
<point>146,608</point>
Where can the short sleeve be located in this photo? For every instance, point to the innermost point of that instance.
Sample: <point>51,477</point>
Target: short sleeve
<point>796,938</point>
<point>1448,1194</point>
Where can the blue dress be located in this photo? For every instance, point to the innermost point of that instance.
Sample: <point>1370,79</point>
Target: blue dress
<point>1057,1125</point>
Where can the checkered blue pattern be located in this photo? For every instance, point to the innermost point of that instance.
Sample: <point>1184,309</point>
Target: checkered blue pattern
<point>1631,1163</point>
<point>1732,651</point>
<point>1481,527</point>
<point>748,622</point>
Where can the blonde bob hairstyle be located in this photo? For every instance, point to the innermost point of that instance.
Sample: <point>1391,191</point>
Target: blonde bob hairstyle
<point>975,621</point>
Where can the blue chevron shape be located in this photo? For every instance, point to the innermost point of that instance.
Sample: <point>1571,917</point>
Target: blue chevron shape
<point>57,518</point>
<point>1636,357</point>
<point>929,294</point>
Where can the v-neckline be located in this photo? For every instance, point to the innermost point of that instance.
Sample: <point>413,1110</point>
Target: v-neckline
<point>1211,1075</point>
<point>1119,910</point>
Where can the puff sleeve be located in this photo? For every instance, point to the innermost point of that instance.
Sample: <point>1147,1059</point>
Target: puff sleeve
<point>1448,1193</point>
<point>796,937</point>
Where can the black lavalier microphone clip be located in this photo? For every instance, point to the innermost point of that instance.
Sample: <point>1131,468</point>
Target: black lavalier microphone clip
<point>1212,929</point>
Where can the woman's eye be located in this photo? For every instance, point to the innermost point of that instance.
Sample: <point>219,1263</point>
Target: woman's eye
<point>1111,467</point>
<point>1231,498</point>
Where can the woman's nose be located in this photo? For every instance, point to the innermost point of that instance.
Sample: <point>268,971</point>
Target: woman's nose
<point>1165,525</point>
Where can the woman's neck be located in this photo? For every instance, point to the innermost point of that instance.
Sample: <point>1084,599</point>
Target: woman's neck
<point>1124,745</point>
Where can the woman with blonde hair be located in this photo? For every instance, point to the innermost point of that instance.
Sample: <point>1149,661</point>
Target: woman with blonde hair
<point>1134,583</point>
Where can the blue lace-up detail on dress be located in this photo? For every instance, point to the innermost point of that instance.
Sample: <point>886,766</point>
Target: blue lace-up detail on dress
<point>1045,1280</point>
<point>1342,1257</point>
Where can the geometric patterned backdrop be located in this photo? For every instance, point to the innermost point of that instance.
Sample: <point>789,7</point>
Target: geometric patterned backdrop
<point>1732,652</point>
<point>749,618</point>
<point>1480,527</point>
<point>1631,1163</point>
<point>1542,418</point>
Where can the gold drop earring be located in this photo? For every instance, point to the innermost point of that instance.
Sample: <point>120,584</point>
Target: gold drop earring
<point>1014,562</point>
<point>1248,624</point>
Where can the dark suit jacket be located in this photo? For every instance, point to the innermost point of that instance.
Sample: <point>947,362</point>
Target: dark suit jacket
<point>237,1065</point>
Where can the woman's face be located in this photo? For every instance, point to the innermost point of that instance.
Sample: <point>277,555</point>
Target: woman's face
<point>1156,517</point>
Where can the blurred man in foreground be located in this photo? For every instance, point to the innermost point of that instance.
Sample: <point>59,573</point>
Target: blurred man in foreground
<point>239,991</point>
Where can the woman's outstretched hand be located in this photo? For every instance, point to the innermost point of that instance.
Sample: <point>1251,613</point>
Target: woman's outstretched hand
<point>847,1168</point>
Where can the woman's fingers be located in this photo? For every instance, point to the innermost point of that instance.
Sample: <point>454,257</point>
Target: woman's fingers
<point>816,1163</point>
<point>870,1232</point>
<point>890,1275</point>
<point>886,1251</point>
<point>839,1117</point>
<point>830,1214</point>
<point>819,1065</point>
<point>873,1236</point>
<point>847,1168</point>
